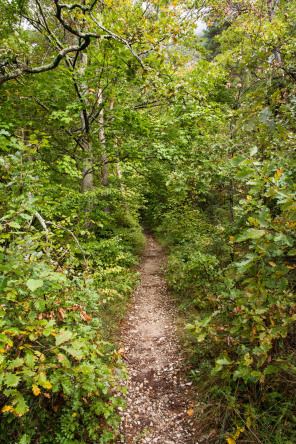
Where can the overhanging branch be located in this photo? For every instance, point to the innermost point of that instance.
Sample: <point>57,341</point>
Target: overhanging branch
<point>24,68</point>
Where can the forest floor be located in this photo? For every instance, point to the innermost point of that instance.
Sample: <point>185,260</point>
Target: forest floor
<point>159,401</point>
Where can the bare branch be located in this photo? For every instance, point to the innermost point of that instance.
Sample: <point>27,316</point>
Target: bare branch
<point>43,224</point>
<point>74,237</point>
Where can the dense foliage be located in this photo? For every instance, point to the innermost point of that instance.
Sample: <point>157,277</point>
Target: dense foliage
<point>114,111</point>
<point>228,219</point>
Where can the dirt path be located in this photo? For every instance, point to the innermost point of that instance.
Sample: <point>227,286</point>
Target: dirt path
<point>159,401</point>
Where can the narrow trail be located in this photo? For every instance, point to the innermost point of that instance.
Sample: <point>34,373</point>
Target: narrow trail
<point>159,402</point>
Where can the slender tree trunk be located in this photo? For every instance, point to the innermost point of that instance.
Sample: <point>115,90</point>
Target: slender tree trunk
<point>231,198</point>
<point>104,169</point>
<point>86,142</point>
<point>231,192</point>
<point>118,170</point>
<point>104,160</point>
<point>119,175</point>
<point>270,8</point>
<point>87,168</point>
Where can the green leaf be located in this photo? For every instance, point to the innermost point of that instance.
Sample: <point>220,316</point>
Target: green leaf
<point>39,304</point>
<point>49,327</point>
<point>67,387</point>
<point>3,282</point>
<point>250,124</point>
<point>11,380</point>
<point>14,224</point>
<point>63,336</point>
<point>270,369</point>
<point>265,115</point>
<point>42,378</point>
<point>251,233</point>
<point>73,352</point>
<point>223,361</point>
<point>15,363</point>
<point>256,373</point>
<point>30,360</point>
<point>33,284</point>
<point>24,439</point>
<point>21,406</point>
<point>253,150</point>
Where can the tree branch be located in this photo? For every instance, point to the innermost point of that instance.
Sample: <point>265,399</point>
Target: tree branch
<point>74,237</point>
<point>81,7</point>
<point>24,68</point>
<point>120,39</point>
<point>43,224</point>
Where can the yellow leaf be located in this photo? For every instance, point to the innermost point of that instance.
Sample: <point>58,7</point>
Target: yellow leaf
<point>7,408</point>
<point>190,412</point>
<point>232,439</point>
<point>47,385</point>
<point>272,264</point>
<point>36,390</point>
<point>74,414</point>
<point>239,430</point>
<point>249,422</point>
<point>231,238</point>
<point>278,174</point>
<point>249,197</point>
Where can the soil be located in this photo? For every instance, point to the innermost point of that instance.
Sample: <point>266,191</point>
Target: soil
<point>160,401</point>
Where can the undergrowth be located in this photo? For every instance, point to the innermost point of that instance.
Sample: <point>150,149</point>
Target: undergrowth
<point>236,293</point>
<point>65,281</point>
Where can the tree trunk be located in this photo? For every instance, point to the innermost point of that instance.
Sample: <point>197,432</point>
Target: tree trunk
<point>270,9</point>
<point>104,168</point>
<point>119,175</point>
<point>118,171</point>
<point>86,142</point>
<point>87,168</point>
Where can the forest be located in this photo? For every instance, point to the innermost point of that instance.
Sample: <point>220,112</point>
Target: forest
<point>176,116</point>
